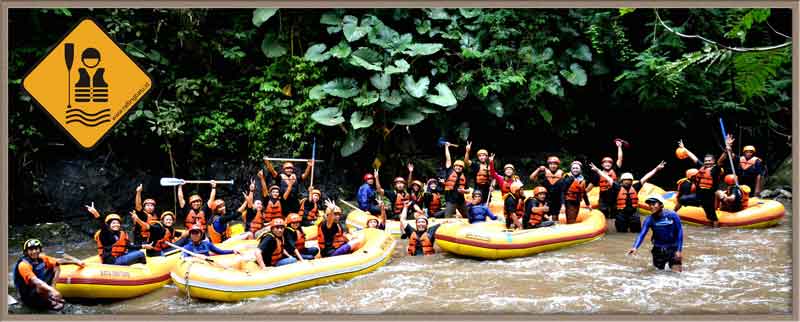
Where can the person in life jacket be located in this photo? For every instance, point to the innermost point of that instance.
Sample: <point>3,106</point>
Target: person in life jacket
<point>380,222</point>
<point>478,211</point>
<point>734,198</point>
<point>330,233</point>
<point>552,182</point>
<point>397,197</point>
<point>686,192</point>
<point>310,207</point>
<point>626,206</point>
<point>367,195</point>
<point>455,185</point>
<point>274,204</point>
<point>287,178</point>
<point>607,199</point>
<point>708,174</point>
<point>432,199</point>
<point>667,235</point>
<point>514,206</point>
<point>272,246</point>
<point>296,239</point>
<point>196,212</point>
<point>34,275</point>
<point>421,238</point>
<point>160,232</point>
<point>113,245</point>
<point>503,181</point>
<point>218,229</point>
<point>416,189</point>
<point>146,211</point>
<point>574,190</point>
<point>537,210</point>
<point>480,170</point>
<point>198,244</point>
<point>253,215</point>
<point>750,169</point>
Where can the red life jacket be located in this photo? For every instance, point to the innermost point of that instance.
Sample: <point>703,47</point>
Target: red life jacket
<point>272,210</point>
<point>576,190</point>
<point>338,239</point>
<point>278,252</point>
<point>552,178</point>
<point>706,180</point>
<point>195,217</point>
<point>537,213</point>
<point>436,203</point>
<point>119,248</point>
<point>217,237</point>
<point>427,246</point>
<point>308,214</point>
<point>146,233</point>
<point>159,245</point>
<point>257,223</point>
<point>622,197</point>
<point>519,209</point>
<point>455,181</point>
<point>400,200</point>
<point>746,164</point>
<point>605,185</point>
<point>483,177</point>
<point>681,181</point>
<point>301,238</point>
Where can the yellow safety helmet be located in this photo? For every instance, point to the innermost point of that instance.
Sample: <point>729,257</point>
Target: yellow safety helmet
<point>749,148</point>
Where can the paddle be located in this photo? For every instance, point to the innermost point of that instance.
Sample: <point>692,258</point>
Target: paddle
<point>349,204</point>
<point>292,160</point>
<point>724,137</point>
<point>313,157</point>
<point>169,182</point>
<point>11,300</point>
<point>203,257</point>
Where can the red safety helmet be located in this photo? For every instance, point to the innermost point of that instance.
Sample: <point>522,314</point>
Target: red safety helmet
<point>368,176</point>
<point>607,159</point>
<point>149,200</point>
<point>538,190</point>
<point>730,179</point>
<point>553,159</point>
<point>277,222</point>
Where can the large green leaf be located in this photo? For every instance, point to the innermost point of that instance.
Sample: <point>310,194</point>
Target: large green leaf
<point>400,66</point>
<point>360,120</point>
<point>445,96</point>
<point>366,58</point>
<point>545,115</point>
<point>470,12</point>
<point>331,18</point>
<point>341,50</point>
<point>427,109</point>
<point>353,143</point>
<point>316,93</point>
<point>367,98</point>
<point>575,75</point>
<point>391,97</point>
<point>422,49</point>
<point>330,116</point>
<point>381,81</point>
<point>341,87</point>
<point>553,86</point>
<point>261,15</point>
<point>408,116</point>
<point>437,14</point>
<point>416,88</point>
<point>383,36</point>
<point>496,108</point>
<point>544,56</point>
<point>581,53</point>
<point>271,48</point>
<point>315,53</point>
<point>423,26</point>
<point>352,31</point>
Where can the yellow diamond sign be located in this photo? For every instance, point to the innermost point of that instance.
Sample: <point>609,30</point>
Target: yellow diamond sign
<point>87,83</point>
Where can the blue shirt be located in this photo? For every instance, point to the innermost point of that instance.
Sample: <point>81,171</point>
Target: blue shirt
<point>667,230</point>
<point>366,196</point>
<point>204,248</point>
<point>478,213</point>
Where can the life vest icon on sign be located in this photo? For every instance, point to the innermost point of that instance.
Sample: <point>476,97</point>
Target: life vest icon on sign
<point>91,87</point>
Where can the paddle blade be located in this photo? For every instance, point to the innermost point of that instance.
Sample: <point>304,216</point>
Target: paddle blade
<point>170,182</point>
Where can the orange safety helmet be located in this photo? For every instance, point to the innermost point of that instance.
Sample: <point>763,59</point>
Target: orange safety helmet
<point>194,198</point>
<point>293,218</point>
<point>483,151</point>
<point>509,165</point>
<point>681,153</point>
<point>417,182</point>
<point>277,222</point>
<point>730,179</point>
<point>111,217</point>
<point>607,159</point>
<point>553,159</point>
<point>196,227</point>
<point>458,163</point>
<point>167,213</point>
<point>149,200</point>
<point>691,173</point>
<point>315,192</point>
<point>399,179</point>
<point>538,190</point>
<point>274,187</point>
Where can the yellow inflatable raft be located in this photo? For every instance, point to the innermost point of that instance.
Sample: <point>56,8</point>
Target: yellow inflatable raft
<point>490,240</point>
<point>247,280</point>
<point>103,281</point>
<point>760,213</point>
<point>357,220</point>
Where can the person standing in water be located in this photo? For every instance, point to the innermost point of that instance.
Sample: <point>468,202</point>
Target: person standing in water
<point>667,235</point>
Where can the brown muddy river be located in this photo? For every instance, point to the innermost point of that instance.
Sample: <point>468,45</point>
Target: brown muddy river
<point>725,271</point>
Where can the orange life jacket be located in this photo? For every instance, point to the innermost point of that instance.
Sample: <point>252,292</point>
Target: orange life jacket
<point>278,252</point>
<point>160,244</point>
<point>551,177</point>
<point>537,213</point>
<point>483,177</point>
<point>416,198</point>
<point>576,190</point>
<point>455,181</point>
<point>706,180</point>
<point>623,195</point>
<point>146,233</point>
<point>605,185</point>
<point>519,209</point>
<point>505,185</point>
<point>745,199</point>
<point>117,249</point>
<point>195,217</point>
<point>338,239</point>
<point>301,238</point>
<point>257,223</point>
<point>436,203</point>
<point>311,214</point>
<point>217,237</point>
<point>746,164</point>
<point>681,181</point>
<point>427,246</point>
<point>272,210</point>
<point>400,200</point>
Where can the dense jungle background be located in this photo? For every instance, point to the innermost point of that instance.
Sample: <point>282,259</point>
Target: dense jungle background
<point>380,87</point>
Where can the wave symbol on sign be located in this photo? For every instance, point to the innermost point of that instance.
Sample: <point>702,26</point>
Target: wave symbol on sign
<point>77,115</point>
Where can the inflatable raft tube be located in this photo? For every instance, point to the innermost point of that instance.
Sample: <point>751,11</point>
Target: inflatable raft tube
<point>760,213</point>
<point>244,279</point>
<point>357,220</point>
<point>490,240</point>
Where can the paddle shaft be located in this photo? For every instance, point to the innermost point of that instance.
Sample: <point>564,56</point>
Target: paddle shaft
<point>291,160</point>
<point>349,204</point>
<point>209,181</point>
<point>724,138</point>
<point>313,156</point>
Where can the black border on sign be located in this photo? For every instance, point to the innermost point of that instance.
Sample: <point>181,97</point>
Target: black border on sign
<point>49,115</point>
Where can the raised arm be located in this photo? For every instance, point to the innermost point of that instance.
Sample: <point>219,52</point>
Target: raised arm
<point>467,161</point>
<point>264,192</point>
<point>600,173</point>
<point>652,172</point>
<point>447,161</point>
<point>213,194</point>
<point>138,204</point>
<point>246,201</point>
<point>619,153</point>
<point>269,167</point>
<point>691,155</point>
<point>290,184</point>
<point>724,155</point>
<point>181,200</point>
<point>145,226</point>
<point>378,187</point>
<point>410,172</point>
<point>492,171</point>
<point>536,172</point>
<point>309,168</point>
